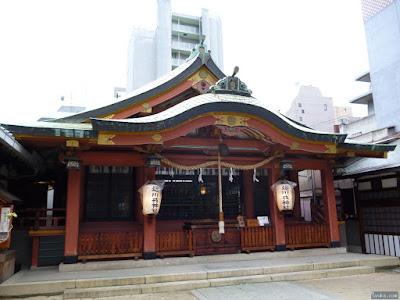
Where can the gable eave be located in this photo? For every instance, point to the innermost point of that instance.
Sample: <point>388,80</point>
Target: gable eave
<point>156,87</point>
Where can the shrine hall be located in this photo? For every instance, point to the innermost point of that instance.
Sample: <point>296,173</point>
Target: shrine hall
<point>215,154</point>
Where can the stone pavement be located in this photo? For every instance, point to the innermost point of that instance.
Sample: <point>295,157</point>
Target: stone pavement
<point>217,277</point>
<point>355,287</point>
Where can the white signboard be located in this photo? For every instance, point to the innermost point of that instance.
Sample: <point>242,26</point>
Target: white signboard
<point>5,220</point>
<point>263,220</point>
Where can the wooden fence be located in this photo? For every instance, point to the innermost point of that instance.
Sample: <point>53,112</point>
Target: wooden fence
<point>175,243</point>
<point>306,235</point>
<point>100,245</point>
<point>41,219</point>
<point>257,238</point>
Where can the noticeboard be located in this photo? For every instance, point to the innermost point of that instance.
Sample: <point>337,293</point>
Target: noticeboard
<point>5,226</point>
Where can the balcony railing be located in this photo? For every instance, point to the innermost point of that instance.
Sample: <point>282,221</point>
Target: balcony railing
<point>183,45</point>
<point>185,28</point>
<point>178,61</point>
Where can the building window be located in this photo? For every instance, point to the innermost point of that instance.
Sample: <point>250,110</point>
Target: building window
<point>302,111</point>
<point>299,104</point>
<point>301,119</point>
<point>109,193</point>
<point>326,107</point>
<point>184,198</point>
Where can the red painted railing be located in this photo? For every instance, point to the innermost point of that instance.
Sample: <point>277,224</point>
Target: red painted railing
<point>257,238</point>
<point>306,235</point>
<point>175,243</point>
<point>99,245</point>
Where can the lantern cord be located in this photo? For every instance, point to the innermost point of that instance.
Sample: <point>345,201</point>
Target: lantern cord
<point>221,223</point>
<point>223,164</point>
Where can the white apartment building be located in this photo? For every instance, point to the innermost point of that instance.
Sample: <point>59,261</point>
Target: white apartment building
<point>152,54</point>
<point>382,31</point>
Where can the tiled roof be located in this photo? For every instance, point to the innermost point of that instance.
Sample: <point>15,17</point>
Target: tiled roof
<point>71,130</point>
<point>10,145</point>
<point>207,103</point>
<point>365,165</point>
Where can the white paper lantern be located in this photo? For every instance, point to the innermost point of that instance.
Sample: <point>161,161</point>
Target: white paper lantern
<point>284,194</point>
<point>151,198</point>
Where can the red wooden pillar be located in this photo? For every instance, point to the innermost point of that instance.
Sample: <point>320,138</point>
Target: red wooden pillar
<point>330,212</point>
<point>277,218</point>
<point>149,225</point>
<point>294,176</point>
<point>248,194</point>
<point>74,199</point>
<point>140,180</point>
<point>35,251</point>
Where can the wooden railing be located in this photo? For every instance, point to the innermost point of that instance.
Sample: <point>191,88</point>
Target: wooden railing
<point>175,243</point>
<point>306,235</point>
<point>41,219</point>
<point>257,238</point>
<point>100,245</point>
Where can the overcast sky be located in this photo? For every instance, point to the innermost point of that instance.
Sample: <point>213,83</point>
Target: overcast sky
<point>78,49</point>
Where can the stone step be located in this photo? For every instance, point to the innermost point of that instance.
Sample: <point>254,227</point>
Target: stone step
<point>179,261</point>
<point>210,274</point>
<point>111,291</point>
<point>214,274</point>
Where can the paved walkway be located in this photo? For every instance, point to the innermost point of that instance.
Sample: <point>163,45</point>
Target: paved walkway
<point>356,287</point>
<point>353,287</point>
<point>186,265</point>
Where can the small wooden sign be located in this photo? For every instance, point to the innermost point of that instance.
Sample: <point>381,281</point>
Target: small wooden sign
<point>5,226</point>
<point>252,223</point>
<point>241,221</point>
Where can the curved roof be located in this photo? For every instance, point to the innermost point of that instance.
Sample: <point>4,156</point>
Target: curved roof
<point>151,89</point>
<point>210,103</point>
<point>227,103</point>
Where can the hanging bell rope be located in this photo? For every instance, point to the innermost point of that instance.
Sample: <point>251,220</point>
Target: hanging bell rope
<point>223,164</point>
<point>221,223</point>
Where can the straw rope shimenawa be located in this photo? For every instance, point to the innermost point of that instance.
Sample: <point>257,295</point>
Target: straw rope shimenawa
<point>215,162</point>
<point>221,223</point>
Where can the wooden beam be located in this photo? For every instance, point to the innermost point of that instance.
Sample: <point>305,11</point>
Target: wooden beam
<point>234,145</point>
<point>132,159</point>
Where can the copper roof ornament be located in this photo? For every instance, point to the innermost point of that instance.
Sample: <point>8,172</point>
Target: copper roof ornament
<point>231,85</point>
